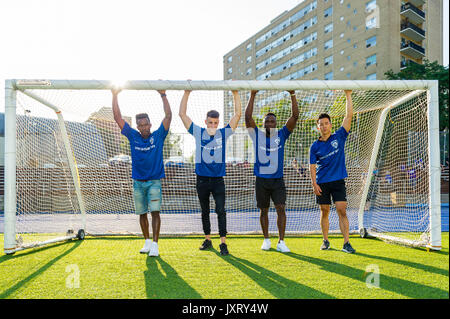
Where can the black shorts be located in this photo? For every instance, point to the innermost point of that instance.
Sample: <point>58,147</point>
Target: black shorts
<point>267,188</point>
<point>334,189</point>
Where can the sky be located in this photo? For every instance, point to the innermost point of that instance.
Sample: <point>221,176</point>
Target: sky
<point>129,39</point>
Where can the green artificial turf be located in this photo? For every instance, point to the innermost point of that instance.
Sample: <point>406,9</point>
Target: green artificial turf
<point>113,268</point>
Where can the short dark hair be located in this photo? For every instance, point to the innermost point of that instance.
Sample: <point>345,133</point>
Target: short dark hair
<point>270,113</point>
<point>141,116</point>
<point>213,114</point>
<point>324,116</point>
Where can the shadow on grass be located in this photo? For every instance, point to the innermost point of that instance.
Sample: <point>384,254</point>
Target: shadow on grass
<point>163,282</point>
<point>17,286</point>
<point>35,250</point>
<point>396,285</point>
<point>427,268</point>
<point>279,286</point>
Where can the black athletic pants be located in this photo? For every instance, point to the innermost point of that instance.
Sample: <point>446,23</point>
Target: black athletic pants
<point>216,187</point>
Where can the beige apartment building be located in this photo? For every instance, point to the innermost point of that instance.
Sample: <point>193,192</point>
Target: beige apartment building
<point>340,40</point>
<point>335,40</point>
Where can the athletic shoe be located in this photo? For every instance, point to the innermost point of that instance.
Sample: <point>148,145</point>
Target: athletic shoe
<point>325,245</point>
<point>224,249</point>
<point>207,244</point>
<point>154,250</point>
<point>348,248</point>
<point>266,244</point>
<point>281,246</point>
<point>146,247</point>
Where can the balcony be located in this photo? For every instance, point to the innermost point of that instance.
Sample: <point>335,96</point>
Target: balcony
<point>412,31</point>
<point>412,49</point>
<point>412,13</point>
<point>417,3</point>
<point>404,64</point>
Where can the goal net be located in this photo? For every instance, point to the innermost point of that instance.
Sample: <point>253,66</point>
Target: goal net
<point>73,167</point>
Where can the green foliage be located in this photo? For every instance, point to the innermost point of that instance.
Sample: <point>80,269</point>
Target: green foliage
<point>428,71</point>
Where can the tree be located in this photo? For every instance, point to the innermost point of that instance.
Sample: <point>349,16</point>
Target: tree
<point>428,71</point>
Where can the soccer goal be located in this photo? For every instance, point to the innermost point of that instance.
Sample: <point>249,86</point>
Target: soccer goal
<point>68,168</point>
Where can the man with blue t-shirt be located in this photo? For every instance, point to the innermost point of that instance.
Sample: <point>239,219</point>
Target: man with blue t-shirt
<point>146,167</point>
<point>328,171</point>
<point>268,168</point>
<point>210,165</point>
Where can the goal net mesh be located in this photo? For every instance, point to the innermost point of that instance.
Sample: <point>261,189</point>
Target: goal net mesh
<point>47,205</point>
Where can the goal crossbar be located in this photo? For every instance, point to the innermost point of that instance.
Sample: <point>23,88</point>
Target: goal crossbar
<point>224,85</point>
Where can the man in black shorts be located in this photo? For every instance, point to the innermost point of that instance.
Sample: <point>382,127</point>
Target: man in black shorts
<point>327,167</point>
<point>268,169</point>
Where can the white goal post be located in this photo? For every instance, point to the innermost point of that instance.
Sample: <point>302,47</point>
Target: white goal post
<point>379,97</point>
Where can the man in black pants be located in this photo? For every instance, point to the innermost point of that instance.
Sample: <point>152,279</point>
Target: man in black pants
<point>268,169</point>
<point>210,165</point>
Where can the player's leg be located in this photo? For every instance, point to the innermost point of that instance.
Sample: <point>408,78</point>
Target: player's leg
<point>339,194</point>
<point>155,197</point>
<point>203,193</point>
<point>278,196</point>
<point>324,201</point>
<point>218,192</point>
<point>341,208</point>
<point>263,203</point>
<point>324,220</point>
<point>141,208</point>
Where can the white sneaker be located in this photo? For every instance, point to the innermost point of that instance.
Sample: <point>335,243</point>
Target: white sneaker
<point>266,244</point>
<point>154,250</point>
<point>281,246</point>
<point>146,247</point>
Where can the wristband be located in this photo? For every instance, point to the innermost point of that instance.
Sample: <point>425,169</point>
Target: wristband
<point>163,94</point>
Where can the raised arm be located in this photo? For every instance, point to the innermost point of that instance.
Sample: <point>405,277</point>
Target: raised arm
<point>182,112</point>
<point>237,110</point>
<point>347,123</point>
<point>167,111</point>
<point>292,121</point>
<point>249,121</point>
<point>116,110</point>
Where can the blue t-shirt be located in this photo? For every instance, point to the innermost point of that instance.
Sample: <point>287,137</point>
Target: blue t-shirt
<point>329,156</point>
<point>210,150</point>
<point>269,152</point>
<point>146,154</point>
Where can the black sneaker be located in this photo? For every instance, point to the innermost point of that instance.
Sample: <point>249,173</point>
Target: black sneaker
<point>224,249</point>
<point>325,245</point>
<point>348,248</point>
<point>207,244</point>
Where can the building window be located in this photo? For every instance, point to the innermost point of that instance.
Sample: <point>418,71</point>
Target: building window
<point>372,76</point>
<point>329,76</point>
<point>341,69</point>
<point>371,60</point>
<point>341,35</point>
<point>328,44</point>
<point>328,12</point>
<point>328,60</point>
<point>230,59</point>
<point>329,28</point>
<point>249,47</point>
<point>249,59</point>
<point>249,71</point>
<point>230,70</point>
<point>371,23</point>
<point>370,42</point>
<point>371,5</point>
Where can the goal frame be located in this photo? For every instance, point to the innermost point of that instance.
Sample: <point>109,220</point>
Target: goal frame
<point>418,87</point>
